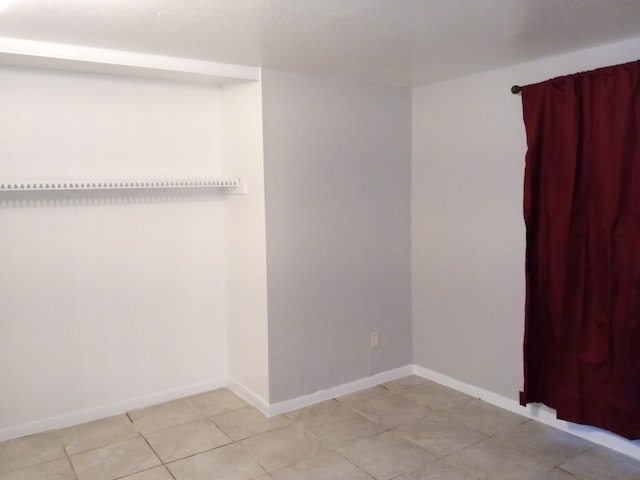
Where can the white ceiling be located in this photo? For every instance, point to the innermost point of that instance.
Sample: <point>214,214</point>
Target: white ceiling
<point>394,42</point>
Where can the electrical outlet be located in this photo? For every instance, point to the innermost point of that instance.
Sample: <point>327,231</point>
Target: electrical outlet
<point>375,339</point>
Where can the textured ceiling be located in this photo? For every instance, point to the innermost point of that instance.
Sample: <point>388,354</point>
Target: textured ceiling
<point>394,42</point>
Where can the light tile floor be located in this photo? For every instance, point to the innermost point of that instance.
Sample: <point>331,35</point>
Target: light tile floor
<point>408,429</point>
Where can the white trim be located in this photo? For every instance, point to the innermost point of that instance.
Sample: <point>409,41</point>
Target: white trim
<point>345,388</point>
<point>103,411</point>
<point>248,396</point>
<point>537,412</point>
<point>31,53</point>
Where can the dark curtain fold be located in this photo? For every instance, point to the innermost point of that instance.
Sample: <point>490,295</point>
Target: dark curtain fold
<point>582,216</point>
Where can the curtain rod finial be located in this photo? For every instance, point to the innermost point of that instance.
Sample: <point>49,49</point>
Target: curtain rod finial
<point>516,89</point>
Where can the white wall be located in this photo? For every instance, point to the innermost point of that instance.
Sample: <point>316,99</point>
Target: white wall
<point>115,300</point>
<point>337,172</point>
<point>467,229</point>
<point>245,239</point>
<point>107,300</point>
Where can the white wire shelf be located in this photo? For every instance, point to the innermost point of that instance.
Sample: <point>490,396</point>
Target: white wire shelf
<point>231,185</point>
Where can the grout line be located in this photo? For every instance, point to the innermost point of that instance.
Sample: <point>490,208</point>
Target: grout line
<point>170,472</point>
<point>152,449</point>
<point>73,468</point>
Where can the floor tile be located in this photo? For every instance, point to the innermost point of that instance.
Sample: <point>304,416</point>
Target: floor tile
<point>225,463</point>
<point>557,474</point>
<point>283,447</point>
<point>404,382</point>
<point>546,443</point>
<point>321,467</point>
<point>157,473</point>
<point>485,418</point>
<point>32,450</point>
<point>408,429</point>
<point>384,407</point>
<point>336,424</point>
<point>99,433</point>
<point>311,410</point>
<point>440,434</point>
<point>387,456</point>
<point>601,463</point>
<point>438,470</point>
<point>56,470</point>
<point>494,460</point>
<point>217,402</point>
<point>186,440</point>
<point>114,461</point>
<point>364,395</point>
<point>248,421</point>
<point>166,415</point>
<point>436,396</point>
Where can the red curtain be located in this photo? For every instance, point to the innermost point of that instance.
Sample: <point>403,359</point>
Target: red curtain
<point>582,215</point>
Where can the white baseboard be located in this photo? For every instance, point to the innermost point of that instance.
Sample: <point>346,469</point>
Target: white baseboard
<point>103,411</point>
<point>345,388</point>
<point>537,412</point>
<point>248,396</point>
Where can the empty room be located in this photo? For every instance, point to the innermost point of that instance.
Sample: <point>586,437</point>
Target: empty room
<point>350,240</point>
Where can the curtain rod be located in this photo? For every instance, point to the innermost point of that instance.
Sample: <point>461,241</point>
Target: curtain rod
<point>516,89</point>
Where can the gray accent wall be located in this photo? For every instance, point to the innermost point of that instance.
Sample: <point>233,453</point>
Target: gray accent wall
<point>337,185</point>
